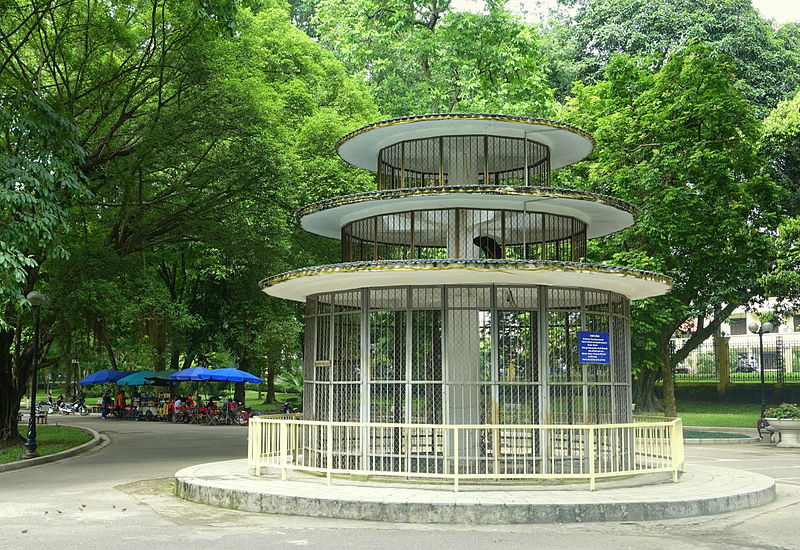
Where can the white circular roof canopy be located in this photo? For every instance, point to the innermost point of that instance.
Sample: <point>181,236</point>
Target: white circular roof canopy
<point>603,215</point>
<point>567,144</point>
<point>299,284</point>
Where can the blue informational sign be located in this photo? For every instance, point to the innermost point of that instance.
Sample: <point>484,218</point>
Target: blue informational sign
<point>594,347</point>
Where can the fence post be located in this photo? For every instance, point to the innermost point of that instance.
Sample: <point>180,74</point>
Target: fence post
<point>284,443</point>
<point>456,461</point>
<point>329,452</point>
<point>591,459</point>
<point>676,448</point>
<point>256,429</point>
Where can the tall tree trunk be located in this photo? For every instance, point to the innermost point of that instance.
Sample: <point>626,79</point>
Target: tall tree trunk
<point>174,355</point>
<point>238,393</point>
<point>667,377</point>
<point>11,390</point>
<point>644,394</point>
<point>68,376</point>
<point>271,362</point>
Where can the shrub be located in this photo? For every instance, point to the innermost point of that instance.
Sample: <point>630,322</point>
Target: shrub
<point>784,410</point>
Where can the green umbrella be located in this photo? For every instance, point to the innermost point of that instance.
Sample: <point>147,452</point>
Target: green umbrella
<point>136,379</point>
<point>161,378</point>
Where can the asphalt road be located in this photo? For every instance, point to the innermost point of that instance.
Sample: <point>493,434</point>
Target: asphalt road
<point>119,497</point>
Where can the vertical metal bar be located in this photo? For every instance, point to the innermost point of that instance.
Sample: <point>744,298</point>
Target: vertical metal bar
<point>403,164</point>
<point>375,238</point>
<point>441,160</point>
<point>494,354</point>
<point>544,386</point>
<point>329,453</point>
<point>413,234</point>
<point>503,235</point>
<point>282,437</point>
<point>456,459</point>
<point>365,374</point>
<point>486,160</point>
<point>527,162</point>
<point>445,366</point>
<point>583,367</point>
<point>591,458</point>
<point>544,236</point>
<point>458,232</point>
<point>409,344</point>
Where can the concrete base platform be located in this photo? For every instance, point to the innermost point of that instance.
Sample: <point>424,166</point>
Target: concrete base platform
<point>702,490</point>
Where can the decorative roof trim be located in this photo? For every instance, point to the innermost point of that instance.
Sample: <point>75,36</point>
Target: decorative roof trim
<point>521,191</point>
<point>464,116</point>
<point>480,265</point>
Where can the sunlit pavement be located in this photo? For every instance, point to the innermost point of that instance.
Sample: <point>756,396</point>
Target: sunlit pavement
<point>120,497</point>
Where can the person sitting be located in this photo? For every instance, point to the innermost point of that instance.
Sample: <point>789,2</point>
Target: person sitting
<point>105,403</point>
<point>60,401</point>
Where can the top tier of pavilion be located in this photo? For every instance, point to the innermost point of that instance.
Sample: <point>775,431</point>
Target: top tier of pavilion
<point>471,160</point>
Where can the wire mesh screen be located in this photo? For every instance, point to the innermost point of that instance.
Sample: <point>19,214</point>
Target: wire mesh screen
<point>464,233</point>
<point>491,354</point>
<point>463,160</point>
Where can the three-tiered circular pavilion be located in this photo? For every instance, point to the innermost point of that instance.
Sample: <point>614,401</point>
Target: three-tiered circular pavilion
<point>463,335</point>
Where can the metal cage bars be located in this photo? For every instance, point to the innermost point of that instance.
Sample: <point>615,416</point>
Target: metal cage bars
<point>464,160</point>
<point>491,354</point>
<point>464,233</point>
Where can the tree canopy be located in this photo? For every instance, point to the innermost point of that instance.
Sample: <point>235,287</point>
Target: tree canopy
<point>680,142</point>
<point>590,32</point>
<point>183,142</point>
<point>153,154</point>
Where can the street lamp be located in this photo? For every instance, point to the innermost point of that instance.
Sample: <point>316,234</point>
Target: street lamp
<point>36,299</point>
<point>761,330</point>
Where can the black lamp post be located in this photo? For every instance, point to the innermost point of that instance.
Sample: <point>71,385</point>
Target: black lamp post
<point>36,299</point>
<point>761,330</point>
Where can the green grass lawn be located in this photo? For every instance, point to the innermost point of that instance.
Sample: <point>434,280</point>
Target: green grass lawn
<point>719,414</point>
<point>51,439</point>
<point>727,415</point>
<point>252,400</point>
<point>696,434</point>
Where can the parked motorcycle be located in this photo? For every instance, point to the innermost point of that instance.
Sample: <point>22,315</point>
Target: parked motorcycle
<point>76,407</point>
<point>46,406</point>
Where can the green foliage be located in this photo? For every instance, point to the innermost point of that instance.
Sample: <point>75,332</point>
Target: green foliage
<point>780,142</point>
<point>200,128</point>
<point>40,179</point>
<point>679,142</point>
<point>422,56</point>
<point>586,38</point>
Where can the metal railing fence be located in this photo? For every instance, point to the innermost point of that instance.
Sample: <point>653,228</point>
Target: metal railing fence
<point>740,358</point>
<point>457,453</point>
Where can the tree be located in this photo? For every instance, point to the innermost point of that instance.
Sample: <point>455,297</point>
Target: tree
<point>780,143</point>
<point>585,38</point>
<point>422,56</point>
<point>680,142</point>
<point>199,143</point>
<point>40,179</point>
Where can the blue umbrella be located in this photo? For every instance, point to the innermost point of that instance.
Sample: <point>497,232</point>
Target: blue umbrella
<point>194,373</point>
<point>103,376</point>
<point>136,379</point>
<point>230,375</point>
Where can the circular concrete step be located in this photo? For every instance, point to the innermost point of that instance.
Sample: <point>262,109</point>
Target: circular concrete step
<point>702,490</point>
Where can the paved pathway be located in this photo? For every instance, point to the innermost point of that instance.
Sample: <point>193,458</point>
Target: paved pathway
<point>119,497</point>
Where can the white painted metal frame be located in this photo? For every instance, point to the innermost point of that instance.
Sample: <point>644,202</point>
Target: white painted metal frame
<point>581,451</point>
